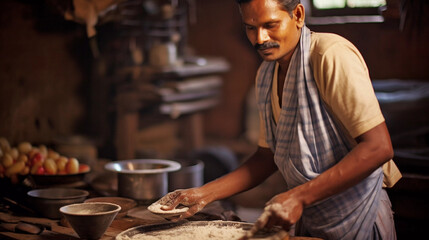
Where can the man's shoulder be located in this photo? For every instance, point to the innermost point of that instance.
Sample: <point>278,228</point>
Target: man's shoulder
<point>322,42</point>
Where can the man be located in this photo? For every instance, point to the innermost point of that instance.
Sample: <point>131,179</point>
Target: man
<point>321,127</point>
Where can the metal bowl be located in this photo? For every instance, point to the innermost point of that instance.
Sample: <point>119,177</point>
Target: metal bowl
<point>48,201</point>
<point>145,180</point>
<point>167,230</point>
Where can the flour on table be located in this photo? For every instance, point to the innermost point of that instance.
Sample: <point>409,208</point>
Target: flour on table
<point>210,232</point>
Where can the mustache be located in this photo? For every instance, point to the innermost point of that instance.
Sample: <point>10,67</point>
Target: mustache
<point>266,45</point>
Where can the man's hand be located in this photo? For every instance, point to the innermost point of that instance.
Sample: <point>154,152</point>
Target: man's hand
<point>192,198</point>
<point>283,210</point>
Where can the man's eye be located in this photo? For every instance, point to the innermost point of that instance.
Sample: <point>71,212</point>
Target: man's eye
<point>271,25</point>
<point>250,27</point>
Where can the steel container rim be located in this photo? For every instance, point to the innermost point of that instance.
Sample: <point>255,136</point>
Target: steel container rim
<point>117,166</point>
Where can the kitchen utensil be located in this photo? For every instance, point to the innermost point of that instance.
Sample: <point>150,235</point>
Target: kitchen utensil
<point>164,230</point>
<point>125,203</point>
<point>41,222</point>
<point>17,206</point>
<point>90,220</point>
<point>190,175</point>
<point>48,201</point>
<point>218,161</point>
<point>145,180</point>
<point>22,227</point>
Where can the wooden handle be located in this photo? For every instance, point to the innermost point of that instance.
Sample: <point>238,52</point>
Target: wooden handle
<point>28,228</point>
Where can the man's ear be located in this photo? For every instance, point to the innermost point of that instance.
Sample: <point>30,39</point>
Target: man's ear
<point>299,15</point>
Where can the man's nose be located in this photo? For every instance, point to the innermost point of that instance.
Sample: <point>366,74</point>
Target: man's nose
<point>262,36</point>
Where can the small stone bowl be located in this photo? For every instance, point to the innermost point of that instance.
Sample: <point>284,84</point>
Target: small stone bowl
<point>90,220</point>
<point>125,203</point>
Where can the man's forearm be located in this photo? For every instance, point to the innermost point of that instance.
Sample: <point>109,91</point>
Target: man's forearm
<point>254,171</point>
<point>374,149</point>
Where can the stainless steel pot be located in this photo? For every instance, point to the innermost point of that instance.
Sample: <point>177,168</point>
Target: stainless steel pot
<point>190,175</point>
<point>144,180</point>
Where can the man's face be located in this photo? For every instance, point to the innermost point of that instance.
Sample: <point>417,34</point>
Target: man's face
<point>270,29</point>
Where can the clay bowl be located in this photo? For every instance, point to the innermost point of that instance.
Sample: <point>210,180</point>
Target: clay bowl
<point>90,220</point>
<point>125,203</point>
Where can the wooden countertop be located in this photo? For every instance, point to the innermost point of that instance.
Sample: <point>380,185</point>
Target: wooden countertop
<point>56,230</point>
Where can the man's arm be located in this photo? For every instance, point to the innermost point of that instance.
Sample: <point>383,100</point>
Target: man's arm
<point>374,148</point>
<point>254,171</point>
<point>251,173</point>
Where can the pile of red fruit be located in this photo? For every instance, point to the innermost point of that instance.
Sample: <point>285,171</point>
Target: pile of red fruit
<point>27,159</point>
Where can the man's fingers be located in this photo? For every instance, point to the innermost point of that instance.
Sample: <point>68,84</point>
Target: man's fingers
<point>170,205</point>
<point>191,212</point>
<point>168,208</point>
<point>170,201</point>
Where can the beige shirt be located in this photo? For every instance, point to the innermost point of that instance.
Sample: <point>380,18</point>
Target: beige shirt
<point>352,100</point>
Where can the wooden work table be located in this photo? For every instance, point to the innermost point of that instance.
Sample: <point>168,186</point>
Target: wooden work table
<point>138,216</point>
<point>19,211</point>
<point>54,229</point>
<point>14,210</point>
<point>58,229</point>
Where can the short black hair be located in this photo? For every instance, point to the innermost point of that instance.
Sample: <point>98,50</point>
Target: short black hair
<point>288,5</point>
